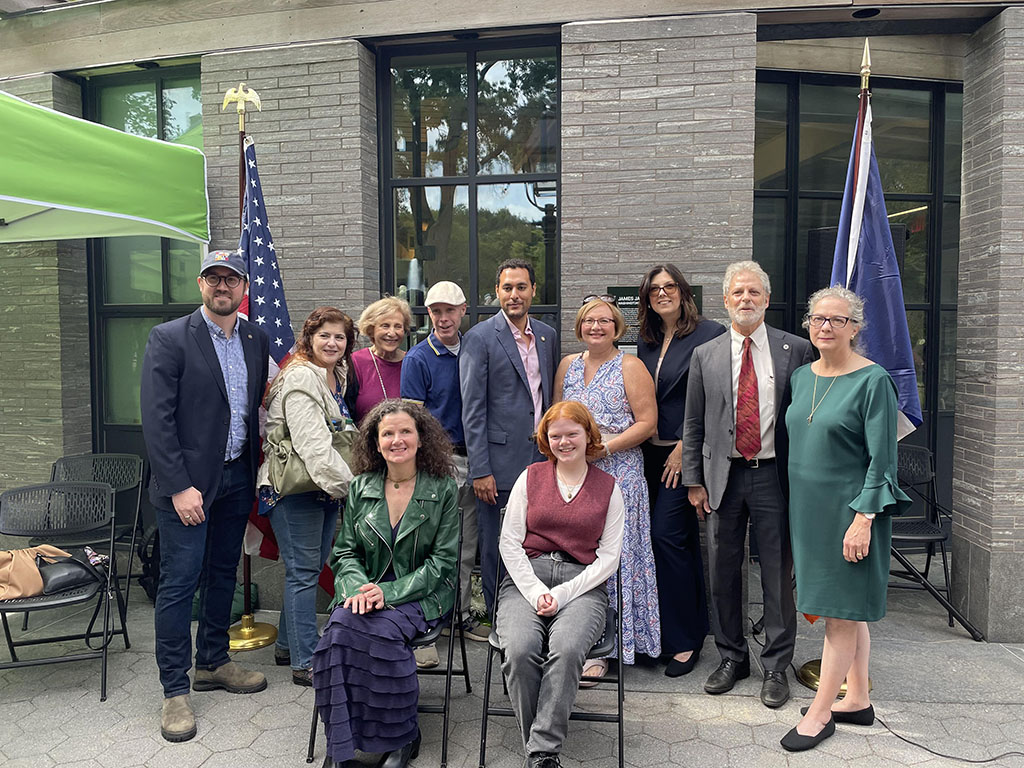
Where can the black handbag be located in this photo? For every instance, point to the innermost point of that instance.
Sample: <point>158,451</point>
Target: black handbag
<point>63,573</point>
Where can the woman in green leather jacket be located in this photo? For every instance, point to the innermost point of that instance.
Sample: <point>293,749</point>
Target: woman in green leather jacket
<point>394,565</point>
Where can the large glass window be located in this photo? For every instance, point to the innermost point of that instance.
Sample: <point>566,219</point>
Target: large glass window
<point>138,282</point>
<point>470,160</point>
<point>803,134</point>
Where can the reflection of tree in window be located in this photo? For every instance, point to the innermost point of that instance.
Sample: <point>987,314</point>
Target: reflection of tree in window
<point>140,113</point>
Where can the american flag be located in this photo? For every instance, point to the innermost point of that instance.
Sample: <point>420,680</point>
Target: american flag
<point>265,304</point>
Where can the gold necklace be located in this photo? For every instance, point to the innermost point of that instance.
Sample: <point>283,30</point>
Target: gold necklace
<point>398,483</point>
<point>814,394</point>
<point>572,489</point>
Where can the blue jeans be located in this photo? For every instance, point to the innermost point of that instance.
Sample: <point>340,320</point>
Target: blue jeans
<point>205,555</point>
<point>304,527</point>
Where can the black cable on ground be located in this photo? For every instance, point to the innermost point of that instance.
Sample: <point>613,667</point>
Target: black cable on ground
<point>757,626</point>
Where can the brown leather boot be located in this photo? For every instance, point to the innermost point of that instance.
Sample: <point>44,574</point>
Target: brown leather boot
<point>232,677</point>
<point>177,721</point>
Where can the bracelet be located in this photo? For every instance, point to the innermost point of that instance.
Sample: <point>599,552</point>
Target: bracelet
<point>607,451</point>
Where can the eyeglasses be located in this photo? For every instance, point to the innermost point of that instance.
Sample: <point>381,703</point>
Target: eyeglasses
<point>669,289</point>
<point>817,321</point>
<point>607,298</point>
<point>602,321</point>
<point>213,280</point>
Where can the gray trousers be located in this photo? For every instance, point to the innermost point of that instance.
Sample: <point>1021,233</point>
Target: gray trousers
<point>542,657</point>
<point>467,505</point>
<point>755,493</point>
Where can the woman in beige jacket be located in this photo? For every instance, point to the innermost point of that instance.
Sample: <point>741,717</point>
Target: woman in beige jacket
<point>308,393</point>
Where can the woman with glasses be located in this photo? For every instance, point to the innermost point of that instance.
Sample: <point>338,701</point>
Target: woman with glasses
<point>670,329</point>
<point>619,392</point>
<point>842,491</point>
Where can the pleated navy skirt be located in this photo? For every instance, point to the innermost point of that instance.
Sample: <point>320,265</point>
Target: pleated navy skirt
<point>364,675</point>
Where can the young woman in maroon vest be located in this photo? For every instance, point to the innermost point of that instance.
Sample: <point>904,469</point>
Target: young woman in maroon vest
<point>560,541</point>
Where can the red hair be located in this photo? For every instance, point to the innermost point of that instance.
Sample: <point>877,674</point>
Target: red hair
<point>574,411</point>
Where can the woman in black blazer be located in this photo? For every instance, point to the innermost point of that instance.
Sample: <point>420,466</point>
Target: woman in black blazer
<point>670,329</point>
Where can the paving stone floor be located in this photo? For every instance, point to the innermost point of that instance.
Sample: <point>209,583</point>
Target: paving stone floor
<point>932,684</point>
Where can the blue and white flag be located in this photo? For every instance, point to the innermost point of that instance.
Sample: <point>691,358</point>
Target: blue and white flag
<point>865,262</point>
<point>265,304</point>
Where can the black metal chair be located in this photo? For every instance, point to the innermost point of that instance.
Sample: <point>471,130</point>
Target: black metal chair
<point>58,510</point>
<point>448,671</point>
<point>608,642</point>
<point>927,531</point>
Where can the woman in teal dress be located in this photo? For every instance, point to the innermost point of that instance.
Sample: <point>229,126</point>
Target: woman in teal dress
<point>842,491</point>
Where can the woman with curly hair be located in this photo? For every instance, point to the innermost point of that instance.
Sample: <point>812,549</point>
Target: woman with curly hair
<point>309,392</point>
<point>394,565</point>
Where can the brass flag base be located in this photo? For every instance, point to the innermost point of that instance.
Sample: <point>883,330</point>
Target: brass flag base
<point>250,634</point>
<point>809,676</point>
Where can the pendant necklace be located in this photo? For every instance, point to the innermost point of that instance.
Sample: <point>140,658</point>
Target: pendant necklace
<point>380,378</point>
<point>814,395</point>
<point>572,489</point>
<point>398,483</point>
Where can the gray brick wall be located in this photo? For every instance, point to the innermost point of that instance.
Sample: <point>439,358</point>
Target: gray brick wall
<point>657,151</point>
<point>988,525</point>
<point>316,144</point>
<point>45,406</point>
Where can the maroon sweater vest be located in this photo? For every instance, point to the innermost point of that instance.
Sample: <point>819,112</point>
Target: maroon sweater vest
<point>554,524</point>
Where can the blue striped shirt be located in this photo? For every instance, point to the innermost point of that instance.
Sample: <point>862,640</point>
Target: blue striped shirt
<point>236,380</point>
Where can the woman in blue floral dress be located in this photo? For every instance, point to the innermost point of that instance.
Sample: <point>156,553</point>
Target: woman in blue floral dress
<point>619,392</point>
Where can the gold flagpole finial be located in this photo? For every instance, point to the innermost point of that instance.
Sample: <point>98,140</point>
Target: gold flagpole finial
<point>865,66</point>
<point>239,96</point>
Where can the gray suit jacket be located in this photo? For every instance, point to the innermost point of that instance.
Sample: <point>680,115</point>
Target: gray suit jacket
<point>497,407</point>
<point>710,419</point>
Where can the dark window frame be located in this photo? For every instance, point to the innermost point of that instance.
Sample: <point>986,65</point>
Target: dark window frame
<point>388,183</point>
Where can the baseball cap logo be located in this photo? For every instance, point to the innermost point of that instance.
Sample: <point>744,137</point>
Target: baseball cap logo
<point>220,256</point>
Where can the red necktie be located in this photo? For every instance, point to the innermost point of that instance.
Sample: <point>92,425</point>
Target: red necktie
<point>748,409</point>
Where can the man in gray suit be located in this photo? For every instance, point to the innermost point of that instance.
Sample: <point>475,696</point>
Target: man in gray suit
<point>735,447</point>
<point>505,373</point>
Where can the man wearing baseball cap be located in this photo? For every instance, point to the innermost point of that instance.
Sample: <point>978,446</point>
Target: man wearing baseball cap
<point>430,377</point>
<point>203,376</point>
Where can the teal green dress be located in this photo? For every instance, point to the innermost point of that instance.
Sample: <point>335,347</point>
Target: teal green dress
<point>841,463</point>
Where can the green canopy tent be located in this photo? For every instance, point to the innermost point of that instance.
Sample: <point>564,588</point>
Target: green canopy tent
<point>62,177</point>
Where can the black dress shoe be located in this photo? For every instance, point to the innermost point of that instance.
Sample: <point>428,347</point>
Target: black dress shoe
<point>400,757</point>
<point>678,668</point>
<point>796,742</point>
<point>864,716</point>
<point>774,689</point>
<point>725,677</point>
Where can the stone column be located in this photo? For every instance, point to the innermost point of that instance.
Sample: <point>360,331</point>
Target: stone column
<point>657,152</point>
<point>45,404</point>
<point>988,449</point>
<point>316,144</point>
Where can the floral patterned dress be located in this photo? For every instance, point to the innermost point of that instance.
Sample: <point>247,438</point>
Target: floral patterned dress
<point>605,396</point>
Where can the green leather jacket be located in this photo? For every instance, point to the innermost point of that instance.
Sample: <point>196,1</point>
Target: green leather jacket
<point>425,550</point>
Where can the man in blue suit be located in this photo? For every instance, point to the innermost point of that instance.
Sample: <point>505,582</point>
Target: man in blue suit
<point>203,377</point>
<point>506,370</point>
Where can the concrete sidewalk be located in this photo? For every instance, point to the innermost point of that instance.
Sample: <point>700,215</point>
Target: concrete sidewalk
<point>932,684</point>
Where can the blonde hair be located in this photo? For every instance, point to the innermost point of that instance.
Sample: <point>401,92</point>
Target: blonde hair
<point>590,306</point>
<point>853,301</point>
<point>380,309</point>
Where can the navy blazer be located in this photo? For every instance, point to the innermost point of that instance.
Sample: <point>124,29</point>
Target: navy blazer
<point>497,407</point>
<point>185,414</point>
<point>670,381</point>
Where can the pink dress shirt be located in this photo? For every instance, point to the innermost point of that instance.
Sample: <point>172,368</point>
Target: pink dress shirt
<point>527,345</point>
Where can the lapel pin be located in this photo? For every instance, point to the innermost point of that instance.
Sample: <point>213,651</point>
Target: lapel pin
<point>543,339</point>
<point>785,346</point>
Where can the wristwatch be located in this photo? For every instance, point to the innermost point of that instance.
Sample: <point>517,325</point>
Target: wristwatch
<point>867,515</point>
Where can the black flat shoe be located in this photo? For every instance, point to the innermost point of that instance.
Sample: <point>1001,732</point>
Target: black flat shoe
<point>678,668</point>
<point>864,716</point>
<point>400,757</point>
<point>282,658</point>
<point>725,677</point>
<point>797,742</point>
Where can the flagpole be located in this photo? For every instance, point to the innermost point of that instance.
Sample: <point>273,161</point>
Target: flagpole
<point>810,673</point>
<point>249,634</point>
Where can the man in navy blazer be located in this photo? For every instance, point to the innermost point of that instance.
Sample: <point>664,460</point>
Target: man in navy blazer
<point>506,370</point>
<point>203,377</point>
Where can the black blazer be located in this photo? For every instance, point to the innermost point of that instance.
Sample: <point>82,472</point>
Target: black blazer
<point>671,381</point>
<point>185,406</point>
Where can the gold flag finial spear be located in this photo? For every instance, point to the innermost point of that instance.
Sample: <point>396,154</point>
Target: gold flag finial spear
<point>239,96</point>
<point>865,66</point>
